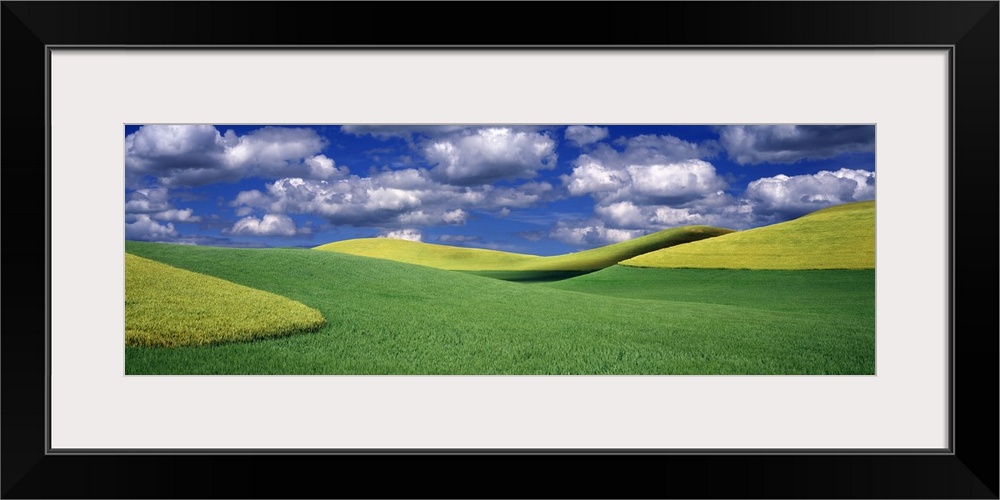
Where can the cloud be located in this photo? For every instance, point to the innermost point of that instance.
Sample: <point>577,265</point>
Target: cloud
<point>532,235</point>
<point>196,155</point>
<point>155,203</point>
<point>457,238</point>
<point>623,214</point>
<point>269,225</point>
<point>648,183</point>
<point>482,156</point>
<point>648,149</point>
<point>178,155</point>
<point>522,196</point>
<point>675,182</point>
<point>400,198</point>
<point>391,199</point>
<point>765,201</point>
<point>644,195</point>
<point>792,196</point>
<point>321,167</point>
<point>143,201</point>
<point>273,150</point>
<point>591,233</point>
<point>403,234</point>
<point>750,144</point>
<point>146,229</point>
<point>582,135</point>
<point>456,216</point>
<point>719,209</point>
<point>653,166</point>
<point>470,155</point>
<point>591,176</point>
<point>175,215</point>
<point>354,201</point>
<point>401,131</point>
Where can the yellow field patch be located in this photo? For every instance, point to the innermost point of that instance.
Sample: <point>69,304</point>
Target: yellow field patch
<point>430,255</point>
<point>839,237</point>
<point>170,307</point>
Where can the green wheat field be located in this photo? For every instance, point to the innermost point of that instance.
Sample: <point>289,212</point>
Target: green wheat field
<point>792,298</point>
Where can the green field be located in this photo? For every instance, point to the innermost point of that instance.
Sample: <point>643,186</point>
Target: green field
<point>170,307</point>
<point>825,292</point>
<point>519,267</point>
<point>387,317</point>
<point>839,237</point>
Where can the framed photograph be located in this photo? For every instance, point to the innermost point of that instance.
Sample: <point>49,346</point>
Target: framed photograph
<point>337,241</point>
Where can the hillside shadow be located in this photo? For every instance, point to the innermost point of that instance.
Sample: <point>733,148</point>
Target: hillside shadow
<point>529,276</point>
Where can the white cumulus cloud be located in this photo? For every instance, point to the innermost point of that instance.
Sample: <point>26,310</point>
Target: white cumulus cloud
<point>143,201</point>
<point>648,195</point>
<point>146,229</point>
<point>456,216</point>
<point>706,211</point>
<point>196,155</point>
<point>591,233</point>
<point>177,215</point>
<point>269,225</point>
<point>655,166</point>
<point>623,214</point>
<point>645,183</point>
<point>582,135</point>
<point>647,149</point>
<point>155,202</point>
<point>403,234</point>
<point>482,156</point>
<point>591,176</point>
<point>321,167</point>
<point>675,182</point>
<point>800,194</point>
<point>401,198</point>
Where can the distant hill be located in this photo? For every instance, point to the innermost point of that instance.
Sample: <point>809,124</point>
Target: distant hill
<point>431,255</point>
<point>474,259</point>
<point>609,255</point>
<point>838,237</point>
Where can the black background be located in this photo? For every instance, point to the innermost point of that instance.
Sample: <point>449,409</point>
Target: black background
<point>971,472</point>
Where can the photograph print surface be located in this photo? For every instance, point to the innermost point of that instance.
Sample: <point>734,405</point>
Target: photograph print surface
<point>499,249</point>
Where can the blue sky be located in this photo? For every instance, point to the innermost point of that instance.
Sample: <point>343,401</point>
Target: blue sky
<point>536,189</point>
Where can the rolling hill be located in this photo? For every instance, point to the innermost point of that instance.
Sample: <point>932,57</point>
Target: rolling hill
<point>838,237</point>
<point>387,317</point>
<point>518,266</point>
<point>431,255</point>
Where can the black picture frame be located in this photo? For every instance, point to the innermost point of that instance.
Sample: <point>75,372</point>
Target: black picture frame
<point>970,470</point>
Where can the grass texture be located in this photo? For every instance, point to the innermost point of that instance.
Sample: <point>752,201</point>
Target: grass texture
<point>839,237</point>
<point>392,318</point>
<point>170,307</point>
